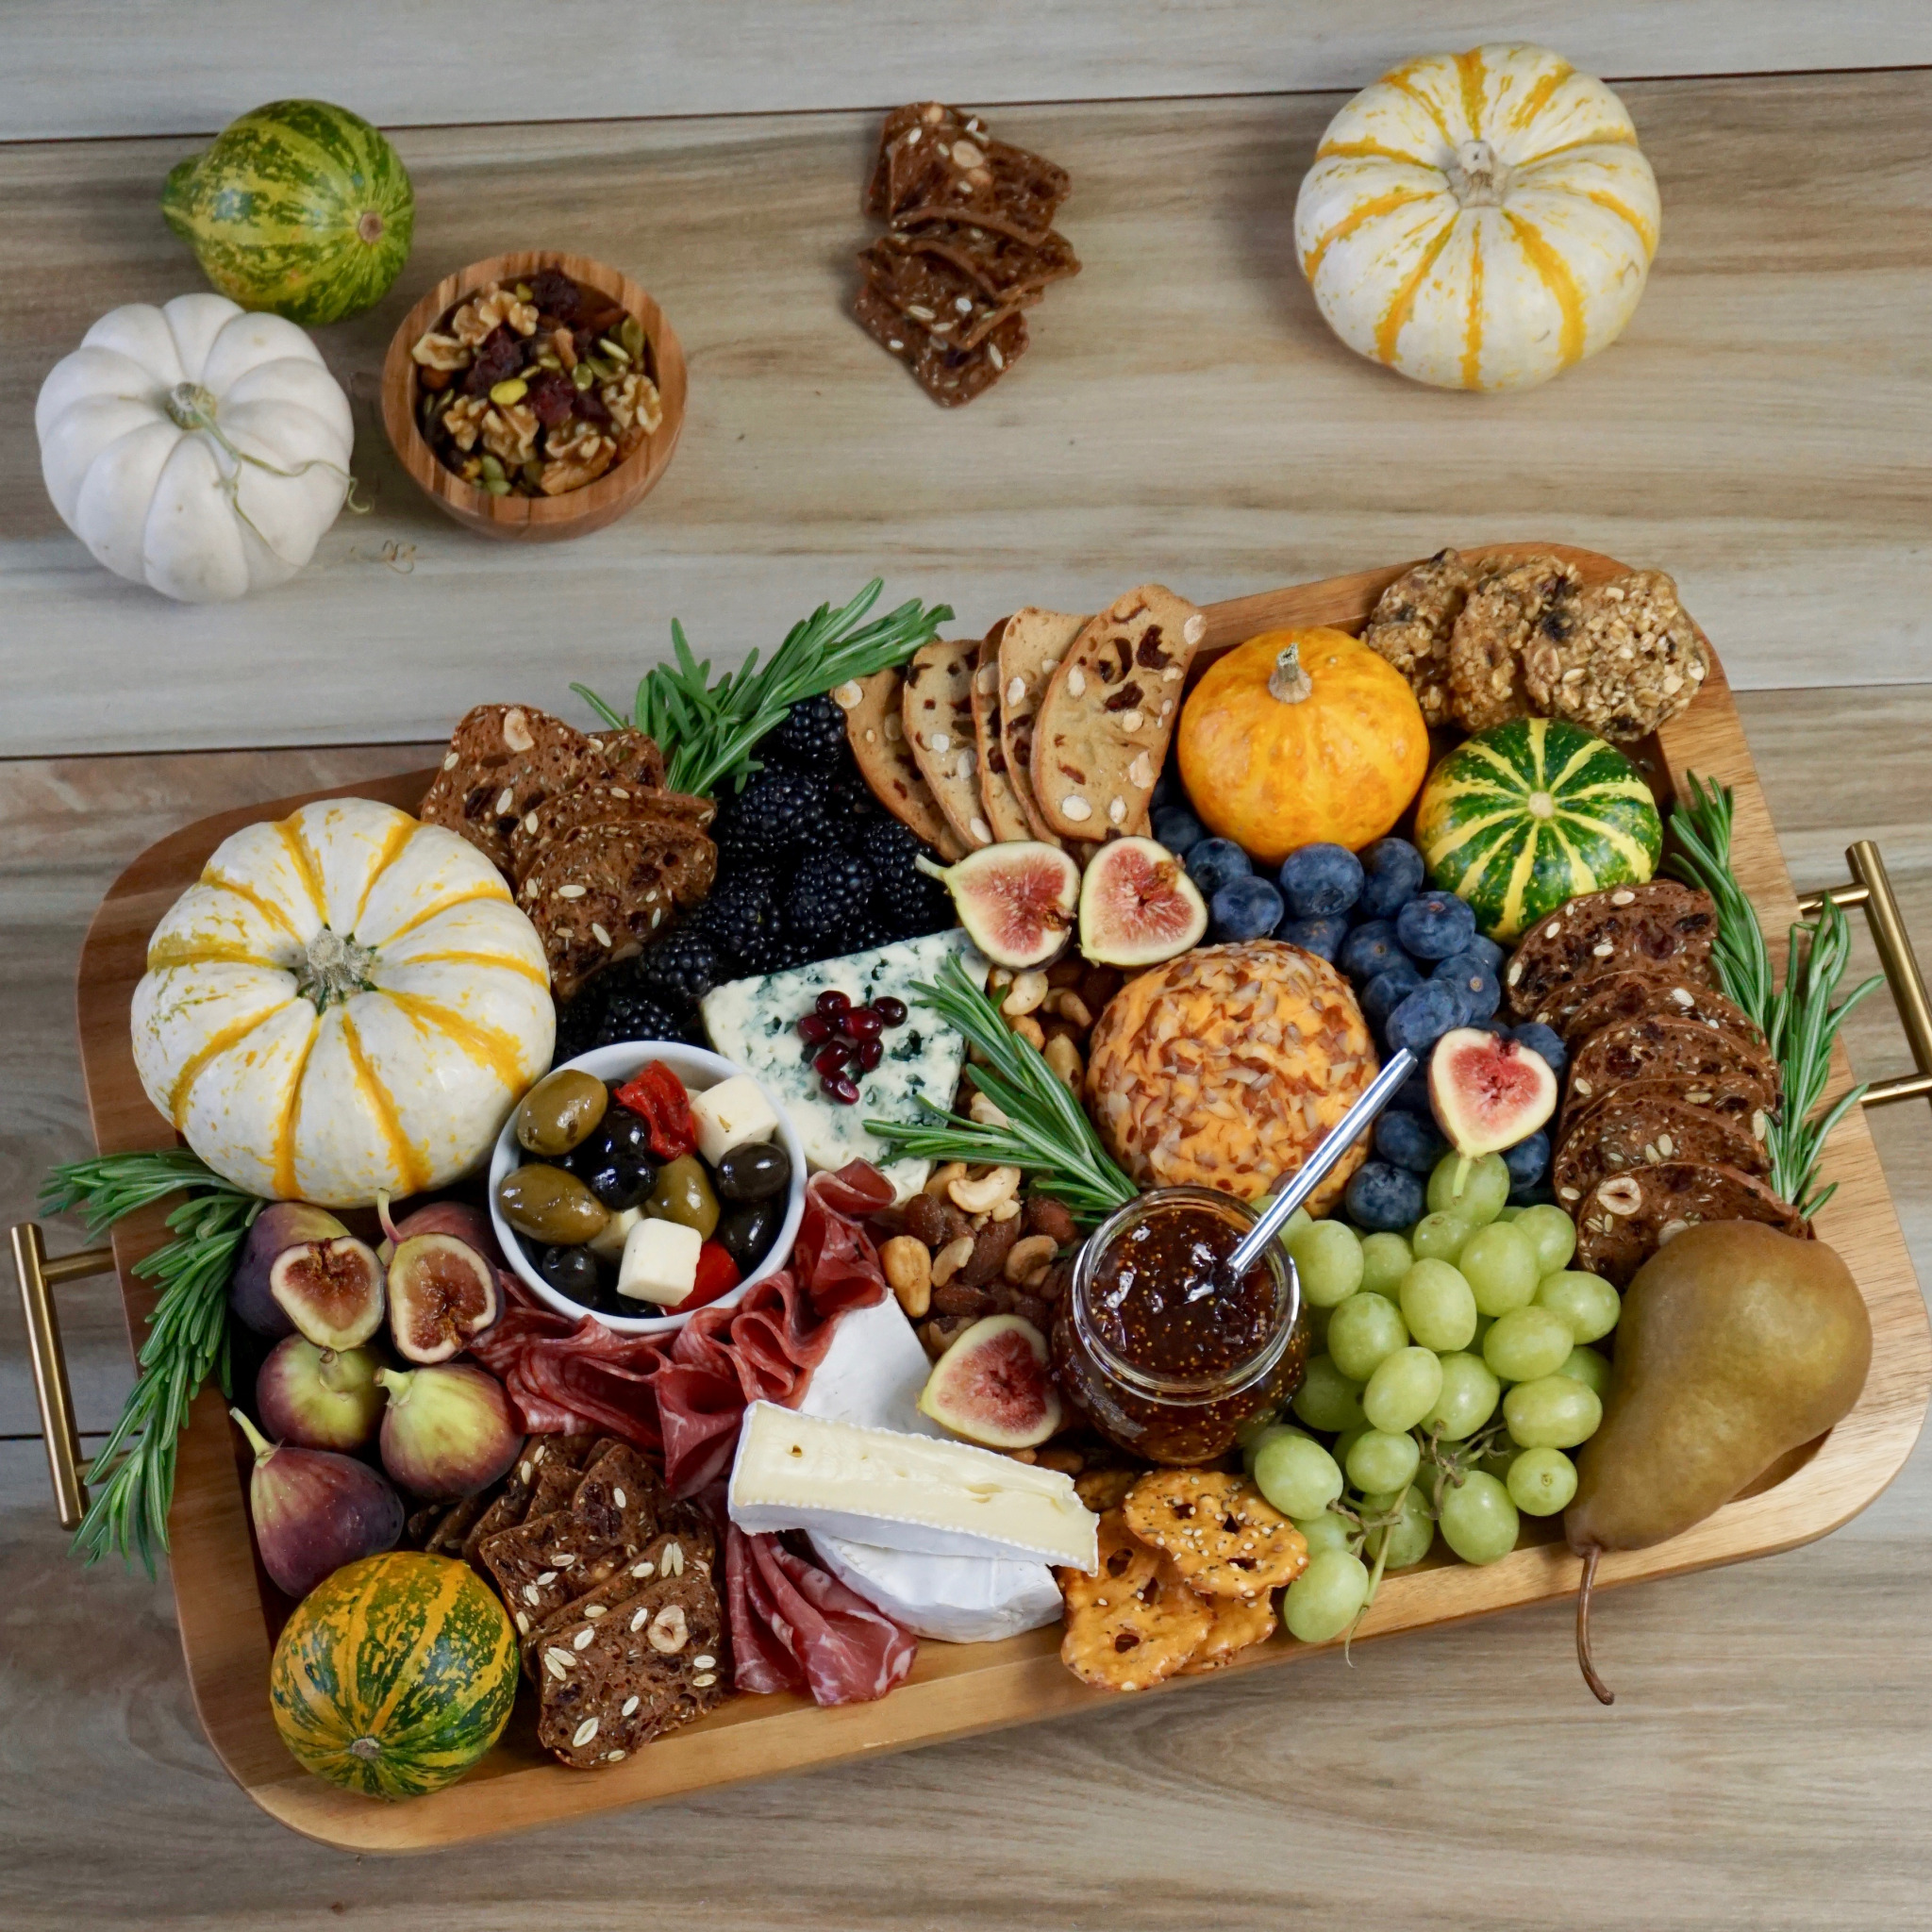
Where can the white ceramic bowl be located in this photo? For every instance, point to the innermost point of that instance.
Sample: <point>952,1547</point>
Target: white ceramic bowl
<point>698,1070</point>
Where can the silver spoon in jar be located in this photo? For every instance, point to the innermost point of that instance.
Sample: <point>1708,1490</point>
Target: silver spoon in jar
<point>1314,1170</point>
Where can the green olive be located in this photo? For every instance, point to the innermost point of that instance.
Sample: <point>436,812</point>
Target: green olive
<point>559,1111</point>
<point>549,1205</point>
<point>684,1193</point>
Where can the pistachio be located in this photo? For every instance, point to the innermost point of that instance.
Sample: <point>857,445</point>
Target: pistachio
<point>583,376</point>
<point>511,390</point>
<point>493,470</point>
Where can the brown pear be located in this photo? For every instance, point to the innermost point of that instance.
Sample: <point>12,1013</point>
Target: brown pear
<point>1737,1344</point>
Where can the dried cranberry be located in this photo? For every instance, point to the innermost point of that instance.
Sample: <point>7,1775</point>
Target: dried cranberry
<point>590,405</point>
<point>871,1052</point>
<point>497,361</point>
<point>863,1023</point>
<point>554,293</point>
<point>816,1027</point>
<point>841,1089</point>
<point>553,397</point>
<point>892,1013</point>
<point>834,1006</point>
<point>830,1060</point>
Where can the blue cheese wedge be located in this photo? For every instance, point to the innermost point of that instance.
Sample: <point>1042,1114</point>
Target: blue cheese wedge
<point>755,1022</point>
<point>896,1491</point>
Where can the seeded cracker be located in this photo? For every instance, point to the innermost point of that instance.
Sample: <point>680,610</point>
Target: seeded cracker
<point>1224,1538</point>
<point>668,1555</point>
<point>942,298</point>
<point>1411,623</point>
<point>1627,1218</point>
<point>1235,1625</point>
<point>955,168</point>
<point>671,816</point>
<point>1579,1007</point>
<point>1629,660</point>
<point>1004,812</point>
<point>1645,1124</point>
<point>875,730</point>
<point>949,376</point>
<point>1502,614</point>
<point>1702,1063</point>
<point>1133,1621</point>
<point>1031,647</point>
<point>1005,266</point>
<point>936,707</point>
<point>1661,926</point>
<point>505,760</point>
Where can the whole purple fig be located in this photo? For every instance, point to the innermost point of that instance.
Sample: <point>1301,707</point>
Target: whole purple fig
<point>286,1225</point>
<point>319,1398</point>
<point>448,1430</point>
<point>315,1510</point>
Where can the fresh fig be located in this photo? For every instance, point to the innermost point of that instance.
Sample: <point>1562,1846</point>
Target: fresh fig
<point>992,1385</point>
<point>469,1224</point>
<point>1016,900</point>
<point>315,1510</point>
<point>443,1288</point>
<point>1487,1092</point>
<point>331,1291</point>
<point>319,1398</point>
<point>448,1431</point>
<point>285,1224</point>
<point>1137,905</point>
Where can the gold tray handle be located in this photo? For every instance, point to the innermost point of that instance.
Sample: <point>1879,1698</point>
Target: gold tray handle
<point>1871,889</point>
<point>37,1276</point>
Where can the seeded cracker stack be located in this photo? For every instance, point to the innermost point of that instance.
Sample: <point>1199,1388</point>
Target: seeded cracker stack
<point>970,244</point>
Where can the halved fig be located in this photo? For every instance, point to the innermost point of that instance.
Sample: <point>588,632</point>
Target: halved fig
<point>1016,900</point>
<point>992,1385</point>
<point>1488,1092</point>
<point>283,1224</point>
<point>443,1292</point>
<point>331,1291</point>
<point>1137,905</point>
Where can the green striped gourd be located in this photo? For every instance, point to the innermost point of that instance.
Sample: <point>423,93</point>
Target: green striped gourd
<point>1521,818</point>
<point>299,207</point>
<point>394,1674</point>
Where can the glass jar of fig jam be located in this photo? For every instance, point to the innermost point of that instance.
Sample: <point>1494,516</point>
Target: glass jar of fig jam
<point>1166,1356</point>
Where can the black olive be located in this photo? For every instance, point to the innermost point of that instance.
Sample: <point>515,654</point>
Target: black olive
<point>755,1172</point>
<point>628,1134</point>
<point>619,1182</point>
<point>570,1270</point>
<point>747,1233</point>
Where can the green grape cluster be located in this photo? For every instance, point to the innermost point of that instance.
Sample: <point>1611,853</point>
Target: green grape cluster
<point>1454,1366</point>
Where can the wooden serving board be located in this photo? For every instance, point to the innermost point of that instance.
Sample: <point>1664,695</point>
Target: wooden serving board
<point>229,1613</point>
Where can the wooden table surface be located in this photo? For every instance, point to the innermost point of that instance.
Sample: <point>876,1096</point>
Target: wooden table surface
<point>1763,431</point>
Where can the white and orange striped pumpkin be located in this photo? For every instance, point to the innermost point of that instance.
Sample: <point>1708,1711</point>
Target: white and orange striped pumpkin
<point>1479,219</point>
<point>347,1003</point>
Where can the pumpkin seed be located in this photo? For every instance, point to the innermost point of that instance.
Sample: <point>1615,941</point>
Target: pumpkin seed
<point>497,486</point>
<point>493,470</point>
<point>615,349</point>
<point>583,376</point>
<point>523,292</point>
<point>511,390</point>
<point>632,335</point>
<point>604,371</point>
<point>548,360</point>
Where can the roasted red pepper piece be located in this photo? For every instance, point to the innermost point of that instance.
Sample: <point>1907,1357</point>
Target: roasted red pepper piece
<point>717,1275</point>
<point>657,1096</point>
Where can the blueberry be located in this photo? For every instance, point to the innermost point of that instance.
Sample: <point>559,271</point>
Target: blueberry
<point>1385,1199</point>
<point>1487,951</point>
<point>1423,1017</point>
<point>1479,992</point>
<point>1393,870</point>
<point>1217,862</point>
<point>1412,1096</point>
<point>1388,991</point>
<point>1410,1140</point>
<point>1178,829</point>
<point>1544,1042</point>
<point>1538,1195</point>
<point>1527,1161</point>
<point>1244,909</point>
<point>1321,937</point>
<point>1371,949</point>
<point>1167,789</point>
<point>1321,879</point>
<point>1435,925</point>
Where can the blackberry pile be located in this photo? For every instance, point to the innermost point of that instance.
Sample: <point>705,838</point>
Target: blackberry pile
<point>809,867</point>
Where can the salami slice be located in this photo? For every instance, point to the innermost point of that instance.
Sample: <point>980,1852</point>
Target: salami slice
<point>1579,1007</point>
<point>1647,1124</point>
<point>1629,1217</point>
<point>1660,924</point>
<point>1706,1066</point>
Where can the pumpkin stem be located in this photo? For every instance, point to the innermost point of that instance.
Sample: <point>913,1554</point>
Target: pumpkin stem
<point>1288,681</point>
<point>1479,176</point>
<point>332,968</point>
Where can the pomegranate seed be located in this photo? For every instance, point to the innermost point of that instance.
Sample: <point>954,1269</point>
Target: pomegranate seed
<point>834,1006</point>
<point>829,1059</point>
<point>815,1028</point>
<point>862,1022</point>
<point>892,1013</point>
<point>870,1054</point>
<point>844,1090</point>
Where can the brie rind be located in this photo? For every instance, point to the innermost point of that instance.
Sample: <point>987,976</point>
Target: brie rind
<point>873,1375</point>
<point>903,1492</point>
<point>953,1599</point>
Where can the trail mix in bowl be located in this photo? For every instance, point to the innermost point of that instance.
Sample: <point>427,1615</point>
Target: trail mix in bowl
<point>536,388</point>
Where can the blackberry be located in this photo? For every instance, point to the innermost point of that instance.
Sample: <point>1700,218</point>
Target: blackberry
<point>631,1015</point>
<point>777,810</point>
<point>829,895</point>
<point>579,1022</point>
<point>850,806</point>
<point>742,914</point>
<point>810,738</point>
<point>680,968</point>
<point>905,899</point>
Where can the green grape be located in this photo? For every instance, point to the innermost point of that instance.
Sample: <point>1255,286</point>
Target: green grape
<point>1499,1460</point>
<point>1483,1325</point>
<point>1253,1446</point>
<point>1509,1213</point>
<point>1552,1234</point>
<point>1328,1399</point>
<point>1326,1531</point>
<point>1483,1194</point>
<point>1499,1263</point>
<point>1439,1237</point>
<point>1527,1343</point>
<point>1551,1412</point>
<point>1298,1476</point>
<point>1542,1481</point>
<point>1385,1261</point>
<point>1408,1540</point>
<point>1586,1365</point>
<point>1256,1427</point>
<point>1586,1302</point>
<point>1402,1391</point>
<point>1329,1258</point>
<point>1362,1330</point>
<point>1438,1305</point>
<point>1295,1223</point>
<point>1345,1442</point>
<point>1378,1459</point>
<point>1317,1320</point>
<point>1326,1597</point>
<point>1468,1399</point>
<point>1480,1522</point>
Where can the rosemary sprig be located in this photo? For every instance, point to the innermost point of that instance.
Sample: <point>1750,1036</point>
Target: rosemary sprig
<point>1046,1134</point>
<point>187,1333</point>
<point>1798,1021</point>
<point>707,729</point>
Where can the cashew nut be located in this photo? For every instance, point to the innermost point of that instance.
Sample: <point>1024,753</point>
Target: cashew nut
<point>1070,1006</point>
<point>1030,1030</point>
<point>1063,1057</point>
<point>983,1196</point>
<point>943,1177</point>
<point>1026,1253</point>
<point>1007,1211</point>
<point>986,1113</point>
<point>909,1269</point>
<point>950,1259</point>
<point>1028,990</point>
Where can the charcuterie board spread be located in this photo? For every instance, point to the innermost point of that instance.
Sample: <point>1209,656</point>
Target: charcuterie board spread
<point>717,1222</point>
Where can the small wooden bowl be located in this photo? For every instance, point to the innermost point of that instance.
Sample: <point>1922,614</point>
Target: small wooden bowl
<point>533,518</point>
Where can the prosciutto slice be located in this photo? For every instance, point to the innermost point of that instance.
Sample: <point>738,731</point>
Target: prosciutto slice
<point>681,1397</point>
<point>795,1627</point>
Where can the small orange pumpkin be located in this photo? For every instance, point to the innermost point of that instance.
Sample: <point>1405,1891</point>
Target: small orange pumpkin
<point>1300,736</point>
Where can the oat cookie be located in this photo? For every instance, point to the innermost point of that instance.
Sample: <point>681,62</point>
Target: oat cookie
<point>1660,926</point>
<point>875,730</point>
<point>1646,1123</point>
<point>1005,812</point>
<point>1629,1217</point>
<point>1628,660</point>
<point>936,707</point>
<point>1411,623</point>
<point>1226,1539</point>
<point>1031,645</point>
<point>1235,1625</point>
<point>1134,1621</point>
<point>1504,612</point>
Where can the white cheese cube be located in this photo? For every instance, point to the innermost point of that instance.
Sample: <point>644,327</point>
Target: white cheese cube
<point>607,1244</point>
<point>660,1262</point>
<point>733,1113</point>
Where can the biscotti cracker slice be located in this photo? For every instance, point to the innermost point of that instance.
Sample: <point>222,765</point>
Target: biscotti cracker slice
<point>937,709</point>
<point>1032,644</point>
<point>1004,812</point>
<point>875,730</point>
<point>1108,714</point>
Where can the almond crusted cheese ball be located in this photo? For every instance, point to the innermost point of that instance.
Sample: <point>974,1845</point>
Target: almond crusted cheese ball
<point>1225,1067</point>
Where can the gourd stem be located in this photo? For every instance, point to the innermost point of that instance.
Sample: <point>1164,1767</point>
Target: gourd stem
<point>1288,681</point>
<point>1479,176</point>
<point>332,968</point>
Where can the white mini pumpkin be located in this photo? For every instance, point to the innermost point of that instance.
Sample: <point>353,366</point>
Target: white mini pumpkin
<point>1479,219</point>
<point>348,1002</point>
<point>196,447</point>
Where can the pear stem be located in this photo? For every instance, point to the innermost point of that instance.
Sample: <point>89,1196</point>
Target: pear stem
<point>1599,1690</point>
